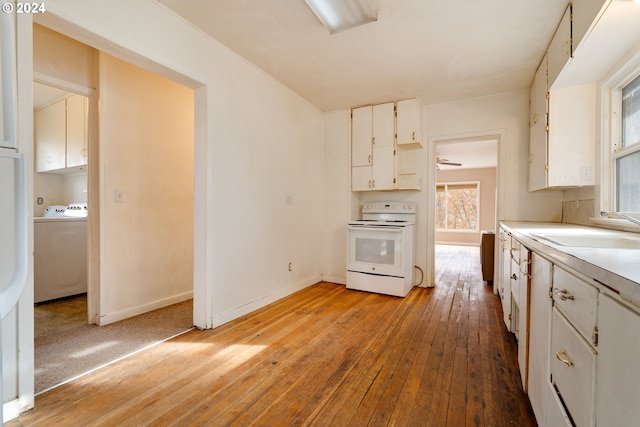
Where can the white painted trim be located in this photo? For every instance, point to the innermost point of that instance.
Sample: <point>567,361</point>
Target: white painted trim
<point>141,309</point>
<point>62,84</point>
<point>225,317</point>
<point>334,279</point>
<point>500,135</point>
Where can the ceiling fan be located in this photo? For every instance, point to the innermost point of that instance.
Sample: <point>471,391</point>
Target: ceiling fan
<point>440,161</point>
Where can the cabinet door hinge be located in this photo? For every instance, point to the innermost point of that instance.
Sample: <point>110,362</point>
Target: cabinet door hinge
<point>394,152</point>
<point>594,336</point>
<point>551,293</point>
<point>509,316</point>
<point>394,180</point>
<point>546,167</point>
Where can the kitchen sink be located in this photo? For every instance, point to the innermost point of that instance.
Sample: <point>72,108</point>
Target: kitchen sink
<point>592,241</point>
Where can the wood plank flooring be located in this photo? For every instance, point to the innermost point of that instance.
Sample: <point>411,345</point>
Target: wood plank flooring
<point>325,356</point>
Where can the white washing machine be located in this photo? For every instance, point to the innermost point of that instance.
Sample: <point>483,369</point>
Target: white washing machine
<point>60,257</point>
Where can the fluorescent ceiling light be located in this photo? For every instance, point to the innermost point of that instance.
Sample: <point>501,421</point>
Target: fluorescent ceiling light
<point>340,15</point>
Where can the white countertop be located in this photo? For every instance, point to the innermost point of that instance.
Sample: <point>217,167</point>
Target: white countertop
<point>617,269</point>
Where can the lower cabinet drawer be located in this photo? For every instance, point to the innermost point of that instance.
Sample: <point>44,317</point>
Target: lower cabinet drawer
<point>572,365</point>
<point>577,300</point>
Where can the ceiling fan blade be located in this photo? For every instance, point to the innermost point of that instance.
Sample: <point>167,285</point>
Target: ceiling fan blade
<point>446,162</point>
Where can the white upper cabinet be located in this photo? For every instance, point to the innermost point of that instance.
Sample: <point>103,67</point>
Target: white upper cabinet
<point>584,14</point>
<point>383,125</point>
<point>571,136</point>
<point>61,135</point>
<point>409,122</point>
<point>373,148</point>
<point>361,129</point>
<point>559,52</point>
<point>538,129</point>
<point>50,130</point>
<point>378,160</point>
<point>383,173</point>
<point>76,131</point>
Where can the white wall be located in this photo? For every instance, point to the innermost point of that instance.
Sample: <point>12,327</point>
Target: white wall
<point>509,112</point>
<point>146,153</point>
<point>337,195</point>
<point>257,143</point>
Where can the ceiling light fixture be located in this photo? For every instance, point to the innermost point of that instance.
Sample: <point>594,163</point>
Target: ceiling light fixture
<point>340,15</point>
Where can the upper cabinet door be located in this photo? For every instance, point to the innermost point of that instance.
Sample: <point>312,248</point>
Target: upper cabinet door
<point>384,128</point>
<point>584,14</point>
<point>559,52</point>
<point>50,131</point>
<point>361,128</point>
<point>538,130</point>
<point>76,131</point>
<point>409,122</point>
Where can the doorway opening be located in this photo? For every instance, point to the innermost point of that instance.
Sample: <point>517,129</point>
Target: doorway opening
<point>137,183</point>
<point>465,195</point>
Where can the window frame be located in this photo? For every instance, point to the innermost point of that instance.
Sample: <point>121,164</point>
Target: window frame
<point>611,133</point>
<point>457,230</point>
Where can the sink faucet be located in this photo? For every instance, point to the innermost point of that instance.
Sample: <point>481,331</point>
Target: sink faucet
<point>621,215</point>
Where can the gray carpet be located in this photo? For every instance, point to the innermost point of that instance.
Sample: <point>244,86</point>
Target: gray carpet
<point>66,347</point>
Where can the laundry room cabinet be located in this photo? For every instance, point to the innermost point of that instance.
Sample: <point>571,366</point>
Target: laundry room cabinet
<point>385,146</point>
<point>61,135</point>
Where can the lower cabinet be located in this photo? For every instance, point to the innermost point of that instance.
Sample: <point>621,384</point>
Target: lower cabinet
<point>572,368</point>
<point>504,283</point>
<point>578,342</point>
<point>540,317</point>
<point>618,375</point>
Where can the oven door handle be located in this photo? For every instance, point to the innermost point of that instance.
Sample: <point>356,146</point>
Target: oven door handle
<point>379,228</point>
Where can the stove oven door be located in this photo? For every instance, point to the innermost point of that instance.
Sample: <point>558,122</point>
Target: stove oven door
<point>376,250</point>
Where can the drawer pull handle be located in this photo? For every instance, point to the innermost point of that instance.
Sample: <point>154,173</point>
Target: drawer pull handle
<point>559,356</point>
<point>562,294</point>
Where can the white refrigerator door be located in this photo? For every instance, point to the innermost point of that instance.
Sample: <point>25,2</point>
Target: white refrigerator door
<point>16,336</point>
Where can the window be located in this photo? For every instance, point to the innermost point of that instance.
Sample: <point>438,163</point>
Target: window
<point>457,206</point>
<point>627,157</point>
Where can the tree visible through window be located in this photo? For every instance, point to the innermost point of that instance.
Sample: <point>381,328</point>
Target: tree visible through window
<point>457,206</point>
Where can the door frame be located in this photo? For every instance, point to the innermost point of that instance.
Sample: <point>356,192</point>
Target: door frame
<point>497,134</point>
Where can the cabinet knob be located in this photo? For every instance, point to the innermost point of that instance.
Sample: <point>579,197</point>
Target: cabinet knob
<point>514,277</point>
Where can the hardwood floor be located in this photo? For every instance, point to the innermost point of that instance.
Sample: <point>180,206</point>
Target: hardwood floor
<point>325,356</point>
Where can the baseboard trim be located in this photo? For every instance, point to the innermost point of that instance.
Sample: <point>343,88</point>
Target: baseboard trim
<point>227,316</point>
<point>141,309</point>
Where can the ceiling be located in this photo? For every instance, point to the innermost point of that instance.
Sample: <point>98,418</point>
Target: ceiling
<point>435,49</point>
<point>471,153</point>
